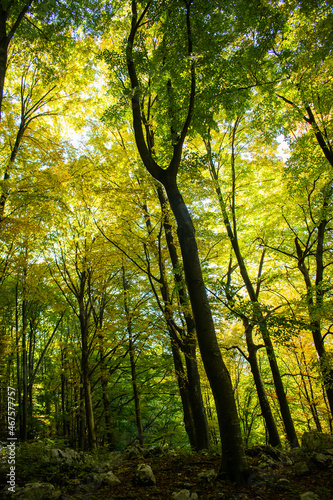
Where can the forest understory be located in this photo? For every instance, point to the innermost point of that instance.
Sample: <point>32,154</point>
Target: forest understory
<point>179,475</point>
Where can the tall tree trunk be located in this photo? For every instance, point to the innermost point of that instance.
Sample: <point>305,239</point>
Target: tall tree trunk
<point>31,357</point>
<point>189,340</point>
<point>6,176</point>
<point>196,399</point>
<point>315,303</point>
<point>65,389</point>
<point>98,318</point>
<point>233,457</point>
<point>234,465</point>
<point>279,389</point>
<point>18,359</point>
<point>253,296</point>
<point>3,52</point>
<point>81,418</point>
<point>309,397</point>
<point>132,361</point>
<point>189,384</point>
<point>5,37</point>
<point>110,437</point>
<point>84,315</point>
<point>24,430</point>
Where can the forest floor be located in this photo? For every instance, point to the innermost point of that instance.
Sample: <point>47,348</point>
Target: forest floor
<point>274,475</point>
<point>181,472</point>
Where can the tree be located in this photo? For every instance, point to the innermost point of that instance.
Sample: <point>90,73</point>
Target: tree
<point>311,251</point>
<point>11,16</point>
<point>182,334</point>
<point>78,277</point>
<point>233,458</point>
<point>253,294</point>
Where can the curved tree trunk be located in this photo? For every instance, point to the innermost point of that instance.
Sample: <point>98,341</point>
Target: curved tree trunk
<point>234,465</point>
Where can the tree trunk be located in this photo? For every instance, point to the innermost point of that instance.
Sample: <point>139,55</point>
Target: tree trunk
<point>189,384</point>
<point>279,389</point>
<point>3,52</point>
<point>324,360</point>
<point>273,435</point>
<point>24,430</point>
<point>309,396</point>
<point>196,400</point>
<point>184,394</point>
<point>258,316</point>
<point>234,463</point>
<point>64,396</point>
<point>81,420</point>
<point>194,387</point>
<point>92,443</point>
<point>315,303</point>
<point>18,359</point>
<point>110,438</point>
<point>132,362</point>
<point>84,315</point>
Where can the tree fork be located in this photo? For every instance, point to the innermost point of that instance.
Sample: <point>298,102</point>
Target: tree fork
<point>234,465</point>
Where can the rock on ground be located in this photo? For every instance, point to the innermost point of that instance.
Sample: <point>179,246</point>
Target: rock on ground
<point>184,495</point>
<point>144,476</point>
<point>317,441</point>
<point>309,496</point>
<point>207,476</point>
<point>110,479</point>
<point>37,491</point>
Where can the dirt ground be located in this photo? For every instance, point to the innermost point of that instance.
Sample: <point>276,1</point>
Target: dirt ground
<point>174,473</point>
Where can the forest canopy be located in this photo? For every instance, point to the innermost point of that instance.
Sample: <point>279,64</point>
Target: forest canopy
<point>166,227</point>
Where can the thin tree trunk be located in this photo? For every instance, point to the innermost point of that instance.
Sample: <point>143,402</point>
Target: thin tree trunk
<point>3,52</point>
<point>132,362</point>
<point>315,303</point>
<point>24,430</point>
<point>253,296</point>
<point>196,400</point>
<point>92,443</point>
<point>309,397</point>
<point>18,359</point>
<point>81,420</point>
<point>324,360</point>
<point>65,391</point>
<point>84,315</point>
<point>107,414</point>
<point>273,435</point>
<point>184,394</point>
<point>98,318</point>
